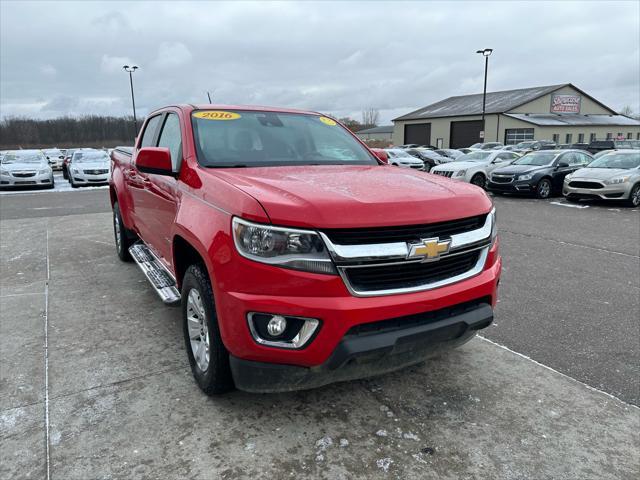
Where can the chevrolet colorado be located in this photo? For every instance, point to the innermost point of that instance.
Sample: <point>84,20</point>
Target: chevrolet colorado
<point>296,256</point>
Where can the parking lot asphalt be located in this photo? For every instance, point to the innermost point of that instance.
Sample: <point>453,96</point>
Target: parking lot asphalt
<point>94,381</point>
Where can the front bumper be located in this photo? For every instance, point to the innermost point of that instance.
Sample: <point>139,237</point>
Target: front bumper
<point>10,181</point>
<point>86,179</point>
<point>516,186</point>
<point>607,192</point>
<point>388,346</point>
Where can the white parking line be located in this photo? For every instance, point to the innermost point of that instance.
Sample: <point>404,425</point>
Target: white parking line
<point>593,389</point>
<point>568,205</point>
<point>46,360</point>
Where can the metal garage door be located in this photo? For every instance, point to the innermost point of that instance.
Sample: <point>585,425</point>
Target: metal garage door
<point>419,133</point>
<point>465,133</point>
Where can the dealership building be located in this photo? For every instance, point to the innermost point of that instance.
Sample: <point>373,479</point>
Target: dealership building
<point>562,113</point>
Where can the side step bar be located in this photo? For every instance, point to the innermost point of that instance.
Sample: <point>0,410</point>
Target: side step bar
<point>161,280</point>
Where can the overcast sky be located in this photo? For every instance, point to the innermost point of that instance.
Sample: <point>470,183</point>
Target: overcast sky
<point>340,58</point>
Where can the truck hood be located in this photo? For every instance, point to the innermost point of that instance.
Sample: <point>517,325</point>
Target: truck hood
<point>601,173</point>
<point>340,196</point>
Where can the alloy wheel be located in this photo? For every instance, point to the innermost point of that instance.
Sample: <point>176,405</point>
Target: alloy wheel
<point>198,329</point>
<point>635,196</point>
<point>116,228</point>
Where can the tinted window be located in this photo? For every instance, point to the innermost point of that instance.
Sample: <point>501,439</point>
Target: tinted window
<point>149,132</point>
<point>536,158</point>
<point>170,138</point>
<point>257,138</point>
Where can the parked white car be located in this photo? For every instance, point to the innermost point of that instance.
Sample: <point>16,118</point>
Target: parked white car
<point>89,167</point>
<point>25,168</point>
<point>400,158</point>
<point>475,167</point>
<point>54,157</point>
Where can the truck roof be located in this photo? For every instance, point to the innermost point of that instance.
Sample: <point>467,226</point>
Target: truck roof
<point>215,106</point>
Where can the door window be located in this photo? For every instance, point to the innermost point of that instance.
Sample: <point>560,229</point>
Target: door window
<point>149,135</point>
<point>171,138</point>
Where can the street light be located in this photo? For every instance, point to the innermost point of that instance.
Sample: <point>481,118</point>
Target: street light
<point>485,53</point>
<point>132,69</point>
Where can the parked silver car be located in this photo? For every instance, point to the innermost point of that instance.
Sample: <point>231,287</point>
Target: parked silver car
<point>401,158</point>
<point>54,157</point>
<point>89,167</point>
<point>614,176</point>
<point>25,168</point>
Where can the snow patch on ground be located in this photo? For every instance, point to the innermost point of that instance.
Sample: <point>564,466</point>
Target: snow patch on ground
<point>384,463</point>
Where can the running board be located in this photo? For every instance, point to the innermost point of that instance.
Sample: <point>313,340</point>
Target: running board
<point>161,280</point>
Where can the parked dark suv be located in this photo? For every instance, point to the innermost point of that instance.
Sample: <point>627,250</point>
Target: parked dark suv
<point>540,173</point>
<point>599,145</point>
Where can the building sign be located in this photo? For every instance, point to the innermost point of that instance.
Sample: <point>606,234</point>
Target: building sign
<point>565,103</point>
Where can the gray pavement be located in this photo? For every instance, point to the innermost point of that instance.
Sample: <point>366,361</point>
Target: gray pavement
<point>122,404</point>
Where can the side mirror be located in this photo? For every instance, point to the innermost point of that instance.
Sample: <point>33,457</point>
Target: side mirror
<point>381,155</point>
<point>155,160</point>
<point>562,164</point>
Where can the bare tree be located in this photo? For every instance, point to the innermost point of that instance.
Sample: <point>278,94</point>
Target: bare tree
<point>370,117</point>
<point>627,111</point>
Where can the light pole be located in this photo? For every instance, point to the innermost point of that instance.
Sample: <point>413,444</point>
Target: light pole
<point>485,53</point>
<point>132,69</point>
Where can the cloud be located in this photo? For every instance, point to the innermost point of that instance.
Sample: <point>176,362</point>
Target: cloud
<point>171,55</point>
<point>48,70</point>
<point>111,64</point>
<point>287,54</point>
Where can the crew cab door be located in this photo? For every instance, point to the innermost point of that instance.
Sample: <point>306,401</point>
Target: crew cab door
<point>161,190</point>
<point>135,179</point>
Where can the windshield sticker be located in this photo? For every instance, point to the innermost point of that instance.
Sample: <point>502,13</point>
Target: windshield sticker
<point>217,115</point>
<point>328,121</point>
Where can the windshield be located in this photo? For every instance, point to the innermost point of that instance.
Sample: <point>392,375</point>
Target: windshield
<point>82,157</point>
<point>23,158</point>
<point>474,157</point>
<point>524,144</point>
<point>251,138</point>
<point>537,158</point>
<point>617,160</point>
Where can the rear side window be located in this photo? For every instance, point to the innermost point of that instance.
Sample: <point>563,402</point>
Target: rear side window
<point>149,134</point>
<point>170,138</point>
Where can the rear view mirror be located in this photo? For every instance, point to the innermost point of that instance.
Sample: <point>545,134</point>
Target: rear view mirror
<point>155,160</point>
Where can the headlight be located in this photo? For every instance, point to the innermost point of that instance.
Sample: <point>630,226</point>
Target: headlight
<point>4,172</point>
<point>284,247</point>
<point>616,180</point>
<point>494,224</point>
<point>527,176</point>
<point>460,173</point>
<point>43,172</point>
<point>568,177</point>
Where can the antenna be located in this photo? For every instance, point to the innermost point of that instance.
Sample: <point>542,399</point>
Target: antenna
<point>209,96</point>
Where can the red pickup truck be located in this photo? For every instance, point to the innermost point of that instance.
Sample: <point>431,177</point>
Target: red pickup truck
<point>297,257</point>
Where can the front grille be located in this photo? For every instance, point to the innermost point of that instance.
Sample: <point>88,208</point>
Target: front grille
<point>23,174</point>
<point>502,178</point>
<point>444,173</point>
<point>416,320</point>
<point>578,184</point>
<point>96,172</point>
<point>407,233</point>
<point>410,275</point>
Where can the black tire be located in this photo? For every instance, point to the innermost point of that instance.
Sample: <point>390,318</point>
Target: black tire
<point>479,180</point>
<point>634,196</point>
<point>544,189</point>
<point>64,174</point>
<point>216,378</point>
<point>123,238</point>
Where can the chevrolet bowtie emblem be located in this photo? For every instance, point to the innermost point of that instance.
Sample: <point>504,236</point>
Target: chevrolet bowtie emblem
<point>428,249</point>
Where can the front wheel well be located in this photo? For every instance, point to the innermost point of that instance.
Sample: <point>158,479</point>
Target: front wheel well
<point>184,255</point>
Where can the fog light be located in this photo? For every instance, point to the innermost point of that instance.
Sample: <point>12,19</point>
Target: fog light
<point>276,326</point>
<point>282,331</point>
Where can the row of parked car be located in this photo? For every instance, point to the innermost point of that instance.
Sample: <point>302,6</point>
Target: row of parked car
<point>34,168</point>
<point>574,173</point>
